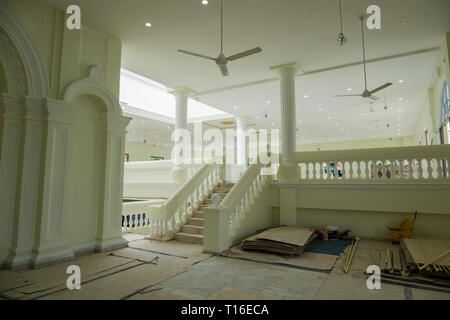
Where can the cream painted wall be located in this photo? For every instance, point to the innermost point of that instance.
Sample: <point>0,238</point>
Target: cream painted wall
<point>142,151</point>
<point>366,210</point>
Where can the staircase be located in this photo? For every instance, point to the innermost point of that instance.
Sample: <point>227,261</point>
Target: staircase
<point>192,231</point>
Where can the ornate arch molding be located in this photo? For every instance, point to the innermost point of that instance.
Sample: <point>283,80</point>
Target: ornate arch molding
<point>37,81</point>
<point>91,85</point>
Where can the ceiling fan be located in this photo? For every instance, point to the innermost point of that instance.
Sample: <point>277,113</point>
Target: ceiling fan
<point>221,59</point>
<point>366,93</point>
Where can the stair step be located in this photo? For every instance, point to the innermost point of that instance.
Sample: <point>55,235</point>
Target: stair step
<point>192,229</point>
<point>195,221</point>
<point>189,238</point>
<point>198,214</point>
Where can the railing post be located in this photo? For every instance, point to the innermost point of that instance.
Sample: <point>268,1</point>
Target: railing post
<point>216,228</point>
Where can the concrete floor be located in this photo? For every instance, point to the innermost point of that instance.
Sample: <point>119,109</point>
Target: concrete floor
<point>173,270</point>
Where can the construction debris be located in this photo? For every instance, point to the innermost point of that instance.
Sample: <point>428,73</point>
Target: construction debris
<point>284,240</point>
<point>427,255</point>
<point>350,256</point>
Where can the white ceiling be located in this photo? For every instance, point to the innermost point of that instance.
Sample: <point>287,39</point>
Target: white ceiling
<point>287,32</point>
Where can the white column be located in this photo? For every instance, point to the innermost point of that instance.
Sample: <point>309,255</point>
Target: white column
<point>179,173</point>
<point>241,149</point>
<point>288,171</point>
<point>287,95</point>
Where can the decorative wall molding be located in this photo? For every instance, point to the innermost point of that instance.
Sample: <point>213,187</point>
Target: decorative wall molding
<point>16,64</point>
<point>37,79</point>
<point>91,85</point>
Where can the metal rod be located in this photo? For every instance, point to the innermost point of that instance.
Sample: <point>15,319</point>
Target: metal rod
<point>221,26</point>
<point>364,51</point>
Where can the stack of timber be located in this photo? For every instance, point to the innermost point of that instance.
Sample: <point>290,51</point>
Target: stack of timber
<point>391,261</point>
<point>283,240</point>
<point>417,263</point>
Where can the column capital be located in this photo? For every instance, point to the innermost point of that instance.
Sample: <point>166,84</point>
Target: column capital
<point>183,90</point>
<point>292,67</point>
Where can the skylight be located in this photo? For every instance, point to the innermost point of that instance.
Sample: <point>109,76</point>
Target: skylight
<point>143,93</point>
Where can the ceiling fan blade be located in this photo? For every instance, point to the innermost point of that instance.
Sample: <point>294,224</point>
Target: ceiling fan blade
<point>384,86</point>
<point>347,95</point>
<point>196,54</point>
<point>373,97</point>
<point>224,70</point>
<point>244,54</point>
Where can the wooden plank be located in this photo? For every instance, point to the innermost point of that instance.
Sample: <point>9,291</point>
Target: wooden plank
<point>290,235</point>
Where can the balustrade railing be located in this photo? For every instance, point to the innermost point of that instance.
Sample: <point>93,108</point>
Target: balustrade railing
<point>135,215</point>
<point>239,200</point>
<point>166,219</point>
<point>427,164</point>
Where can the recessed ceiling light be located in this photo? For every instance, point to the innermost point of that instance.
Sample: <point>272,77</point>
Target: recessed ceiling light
<point>400,110</point>
<point>329,118</point>
<point>400,99</point>
<point>337,124</point>
<point>273,124</point>
<point>268,101</point>
<point>312,12</point>
<point>234,107</point>
<point>204,2</point>
<point>148,24</point>
<point>349,89</point>
<point>305,96</point>
<point>257,117</point>
<point>320,109</point>
<point>399,118</point>
<point>168,127</point>
<point>404,23</point>
<point>400,81</point>
<point>399,125</point>
<point>363,114</point>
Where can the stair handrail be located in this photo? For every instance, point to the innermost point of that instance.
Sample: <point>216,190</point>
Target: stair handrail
<point>243,194</point>
<point>167,218</point>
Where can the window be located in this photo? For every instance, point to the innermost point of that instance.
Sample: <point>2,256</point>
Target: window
<point>448,132</point>
<point>445,103</point>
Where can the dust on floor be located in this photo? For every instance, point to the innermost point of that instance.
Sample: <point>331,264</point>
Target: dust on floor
<point>173,270</point>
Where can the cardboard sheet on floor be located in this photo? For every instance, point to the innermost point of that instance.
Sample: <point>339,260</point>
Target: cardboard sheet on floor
<point>285,240</point>
<point>307,260</point>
